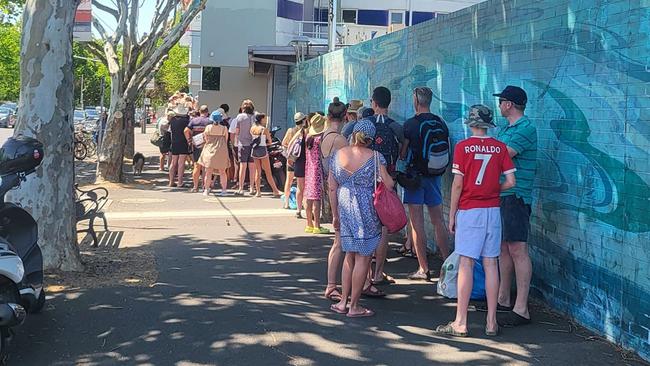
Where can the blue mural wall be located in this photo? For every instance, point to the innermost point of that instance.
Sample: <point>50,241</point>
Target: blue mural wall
<point>586,68</point>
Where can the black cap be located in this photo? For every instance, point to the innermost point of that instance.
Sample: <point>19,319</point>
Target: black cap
<point>514,94</point>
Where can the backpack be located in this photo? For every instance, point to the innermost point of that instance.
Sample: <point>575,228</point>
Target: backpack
<point>156,139</point>
<point>385,140</point>
<point>295,147</point>
<point>434,156</point>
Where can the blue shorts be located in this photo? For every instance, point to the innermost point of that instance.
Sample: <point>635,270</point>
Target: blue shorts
<point>478,232</point>
<point>428,194</point>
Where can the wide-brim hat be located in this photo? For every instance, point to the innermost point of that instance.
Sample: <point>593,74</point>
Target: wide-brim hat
<point>181,110</point>
<point>298,117</point>
<point>480,116</point>
<point>316,125</point>
<point>355,105</point>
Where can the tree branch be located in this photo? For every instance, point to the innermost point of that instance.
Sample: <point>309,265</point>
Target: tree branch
<point>97,51</point>
<point>106,9</point>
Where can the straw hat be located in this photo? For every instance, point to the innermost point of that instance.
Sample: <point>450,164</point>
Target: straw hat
<point>316,125</point>
<point>355,105</point>
<point>181,110</point>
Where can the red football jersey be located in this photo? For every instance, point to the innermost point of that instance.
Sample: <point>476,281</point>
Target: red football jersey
<point>481,161</point>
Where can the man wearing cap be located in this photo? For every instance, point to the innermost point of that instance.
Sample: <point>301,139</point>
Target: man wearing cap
<point>520,136</point>
<point>474,214</point>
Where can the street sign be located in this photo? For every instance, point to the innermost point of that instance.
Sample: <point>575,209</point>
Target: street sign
<point>147,101</point>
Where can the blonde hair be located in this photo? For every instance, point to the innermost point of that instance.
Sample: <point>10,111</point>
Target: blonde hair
<point>360,139</point>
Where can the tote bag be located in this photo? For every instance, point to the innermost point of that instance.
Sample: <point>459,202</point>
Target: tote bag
<point>388,206</point>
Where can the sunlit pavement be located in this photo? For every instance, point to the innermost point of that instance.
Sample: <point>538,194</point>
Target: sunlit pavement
<point>243,284</point>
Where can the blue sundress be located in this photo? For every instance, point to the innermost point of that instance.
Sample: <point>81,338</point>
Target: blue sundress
<point>360,227</point>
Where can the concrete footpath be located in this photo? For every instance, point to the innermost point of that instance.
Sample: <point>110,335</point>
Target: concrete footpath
<point>240,283</point>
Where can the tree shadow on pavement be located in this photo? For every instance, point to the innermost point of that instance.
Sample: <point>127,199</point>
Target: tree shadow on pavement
<point>256,299</point>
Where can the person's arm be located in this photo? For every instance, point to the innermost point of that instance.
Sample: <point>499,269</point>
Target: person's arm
<point>268,136</point>
<point>386,178</point>
<point>405,149</point>
<point>509,182</point>
<point>456,189</point>
<point>509,171</point>
<point>334,201</point>
<point>287,138</point>
<point>521,141</point>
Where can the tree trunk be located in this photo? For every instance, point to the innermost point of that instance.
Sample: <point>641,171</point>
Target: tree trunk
<point>129,114</point>
<point>109,167</point>
<point>45,113</point>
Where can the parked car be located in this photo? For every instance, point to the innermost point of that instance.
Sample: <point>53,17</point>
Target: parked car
<point>79,116</point>
<point>11,105</point>
<point>7,117</point>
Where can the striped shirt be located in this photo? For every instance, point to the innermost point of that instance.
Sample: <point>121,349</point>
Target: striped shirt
<point>521,137</point>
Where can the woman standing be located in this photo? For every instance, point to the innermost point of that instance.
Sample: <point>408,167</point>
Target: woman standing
<point>180,145</point>
<point>214,157</point>
<point>353,172</point>
<point>314,176</point>
<point>260,154</point>
<point>166,144</point>
<point>299,119</point>
<point>299,164</point>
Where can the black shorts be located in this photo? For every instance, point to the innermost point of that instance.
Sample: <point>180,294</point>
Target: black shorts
<point>244,154</point>
<point>515,219</point>
<point>299,168</point>
<point>196,153</point>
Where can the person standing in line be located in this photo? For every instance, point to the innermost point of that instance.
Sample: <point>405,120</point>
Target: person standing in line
<point>520,135</point>
<point>166,144</point>
<point>233,169</point>
<point>388,140</point>
<point>299,165</point>
<point>354,171</point>
<point>299,119</point>
<point>351,117</point>
<point>332,142</point>
<point>196,127</point>
<point>241,128</point>
<point>260,154</point>
<point>314,176</point>
<point>474,214</point>
<point>180,147</point>
<point>429,192</point>
<point>214,155</point>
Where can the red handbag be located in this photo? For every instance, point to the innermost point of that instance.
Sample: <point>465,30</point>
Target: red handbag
<point>388,206</point>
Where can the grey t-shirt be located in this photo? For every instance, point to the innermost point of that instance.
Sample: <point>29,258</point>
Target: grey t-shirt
<point>244,122</point>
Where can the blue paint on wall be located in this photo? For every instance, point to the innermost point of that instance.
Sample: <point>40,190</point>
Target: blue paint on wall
<point>372,17</point>
<point>420,16</point>
<point>290,10</point>
<point>585,67</point>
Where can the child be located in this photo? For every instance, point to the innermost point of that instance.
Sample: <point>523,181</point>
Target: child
<point>474,215</point>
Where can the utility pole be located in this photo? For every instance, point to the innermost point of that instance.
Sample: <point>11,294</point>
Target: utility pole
<point>410,13</point>
<point>331,23</point>
<point>82,91</point>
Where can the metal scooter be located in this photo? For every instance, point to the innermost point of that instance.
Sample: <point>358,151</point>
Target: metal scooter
<point>21,260</point>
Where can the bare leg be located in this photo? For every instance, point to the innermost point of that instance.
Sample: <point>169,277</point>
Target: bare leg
<point>439,230</point>
<point>266,166</point>
<point>162,162</point>
<point>258,176</point>
<point>491,267</point>
<point>287,188</point>
<point>506,271</point>
<point>300,183</point>
<point>523,273</point>
<point>419,236</point>
<point>334,261</point>
<point>316,213</point>
<point>223,176</point>
<point>380,255</point>
<point>181,169</point>
<point>346,280</point>
<point>196,176</point>
<point>465,283</point>
<point>173,169</point>
<point>242,176</point>
<point>359,276</point>
<point>310,213</point>
<point>251,176</point>
<point>207,180</point>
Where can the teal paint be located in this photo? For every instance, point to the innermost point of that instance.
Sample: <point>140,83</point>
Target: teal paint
<point>586,68</point>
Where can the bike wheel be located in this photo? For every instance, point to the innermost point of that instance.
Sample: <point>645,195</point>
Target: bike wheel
<point>80,151</point>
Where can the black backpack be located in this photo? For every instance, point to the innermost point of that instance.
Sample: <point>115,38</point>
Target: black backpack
<point>435,147</point>
<point>385,140</point>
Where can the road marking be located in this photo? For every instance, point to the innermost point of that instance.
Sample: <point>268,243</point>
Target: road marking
<point>154,215</point>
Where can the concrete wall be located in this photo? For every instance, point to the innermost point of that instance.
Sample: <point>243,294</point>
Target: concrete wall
<point>585,67</point>
<point>237,84</point>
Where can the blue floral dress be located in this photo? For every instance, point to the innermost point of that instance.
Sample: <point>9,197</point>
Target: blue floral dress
<point>360,227</point>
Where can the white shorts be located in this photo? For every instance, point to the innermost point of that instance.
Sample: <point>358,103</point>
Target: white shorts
<point>478,232</point>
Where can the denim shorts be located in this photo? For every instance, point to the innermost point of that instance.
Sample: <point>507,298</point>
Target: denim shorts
<point>478,232</point>
<point>427,194</point>
<point>515,218</point>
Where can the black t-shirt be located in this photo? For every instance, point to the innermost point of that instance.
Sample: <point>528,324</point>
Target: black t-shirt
<point>177,127</point>
<point>412,131</point>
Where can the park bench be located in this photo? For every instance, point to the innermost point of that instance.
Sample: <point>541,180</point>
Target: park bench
<point>89,205</point>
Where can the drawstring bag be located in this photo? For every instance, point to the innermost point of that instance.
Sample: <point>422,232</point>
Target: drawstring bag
<point>388,206</point>
<point>448,282</point>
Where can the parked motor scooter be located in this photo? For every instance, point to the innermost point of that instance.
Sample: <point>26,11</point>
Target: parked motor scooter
<point>277,159</point>
<point>21,261</point>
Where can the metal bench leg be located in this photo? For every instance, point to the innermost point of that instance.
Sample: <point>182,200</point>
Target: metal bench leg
<point>105,221</point>
<point>91,230</point>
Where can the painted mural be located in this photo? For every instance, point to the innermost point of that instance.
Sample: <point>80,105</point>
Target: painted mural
<point>586,68</point>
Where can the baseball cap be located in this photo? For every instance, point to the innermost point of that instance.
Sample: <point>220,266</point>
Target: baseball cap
<point>480,116</point>
<point>298,117</point>
<point>514,94</point>
<point>216,116</point>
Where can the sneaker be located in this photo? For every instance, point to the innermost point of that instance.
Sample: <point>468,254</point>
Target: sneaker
<point>223,193</point>
<point>298,215</point>
<point>320,230</point>
<point>419,276</point>
<point>206,192</point>
<point>309,230</point>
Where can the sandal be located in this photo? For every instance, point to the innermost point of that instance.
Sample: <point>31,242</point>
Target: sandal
<point>337,310</point>
<point>386,280</point>
<point>448,329</point>
<point>334,294</point>
<point>368,292</point>
<point>365,313</point>
<point>492,333</point>
<point>512,319</point>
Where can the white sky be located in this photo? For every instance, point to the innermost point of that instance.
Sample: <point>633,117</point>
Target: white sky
<point>144,23</point>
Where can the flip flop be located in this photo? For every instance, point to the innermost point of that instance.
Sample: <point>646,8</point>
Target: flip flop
<point>337,310</point>
<point>511,319</point>
<point>369,293</point>
<point>449,330</point>
<point>386,280</point>
<point>492,333</point>
<point>500,308</point>
<point>334,295</point>
<point>364,314</point>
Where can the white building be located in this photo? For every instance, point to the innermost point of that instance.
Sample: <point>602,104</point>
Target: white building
<point>243,48</point>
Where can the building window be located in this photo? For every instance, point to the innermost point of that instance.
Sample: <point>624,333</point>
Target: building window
<point>396,17</point>
<point>349,16</point>
<point>211,78</point>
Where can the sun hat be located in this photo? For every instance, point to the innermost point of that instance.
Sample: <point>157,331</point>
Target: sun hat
<point>216,116</point>
<point>355,105</point>
<point>180,109</point>
<point>480,116</point>
<point>366,127</point>
<point>299,117</point>
<point>317,125</point>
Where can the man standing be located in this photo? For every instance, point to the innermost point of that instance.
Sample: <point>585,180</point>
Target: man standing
<point>428,192</point>
<point>240,126</point>
<point>352,116</point>
<point>389,137</point>
<point>520,135</point>
<point>196,126</point>
<point>474,214</point>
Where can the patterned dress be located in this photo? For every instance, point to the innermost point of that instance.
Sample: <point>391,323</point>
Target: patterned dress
<point>313,170</point>
<point>360,227</point>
